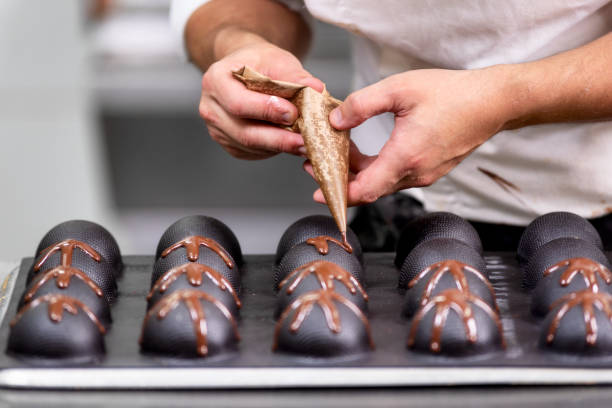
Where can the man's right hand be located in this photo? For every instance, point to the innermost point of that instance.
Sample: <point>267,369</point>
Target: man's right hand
<point>236,117</point>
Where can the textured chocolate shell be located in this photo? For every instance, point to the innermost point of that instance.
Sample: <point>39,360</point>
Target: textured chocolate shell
<point>180,333</point>
<point>555,225</point>
<point>432,226</point>
<point>76,289</point>
<point>203,226</point>
<point>89,232</point>
<point>182,282</point>
<point>102,273</point>
<point>477,284</point>
<point>76,337</point>
<point>565,280</point>
<point>457,336</point>
<point>556,251</point>
<point>207,257</point>
<point>584,328</point>
<point>315,338</point>
<point>311,283</point>
<point>314,226</point>
<point>436,250</point>
<point>303,253</point>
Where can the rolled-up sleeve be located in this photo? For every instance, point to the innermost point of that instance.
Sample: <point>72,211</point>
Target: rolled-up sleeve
<point>181,10</point>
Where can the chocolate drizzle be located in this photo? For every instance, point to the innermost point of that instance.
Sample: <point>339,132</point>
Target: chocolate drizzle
<point>321,243</point>
<point>326,273</point>
<point>587,268</point>
<point>62,275</point>
<point>66,249</point>
<point>325,299</point>
<point>459,301</point>
<point>457,271</point>
<point>57,304</point>
<point>192,300</point>
<point>192,245</point>
<point>588,299</point>
<point>195,274</point>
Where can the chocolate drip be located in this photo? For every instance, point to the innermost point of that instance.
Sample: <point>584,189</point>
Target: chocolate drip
<point>66,249</point>
<point>192,298</point>
<point>587,268</point>
<point>192,245</point>
<point>321,243</point>
<point>325,299</point>
<point>588,299</point>
<point>459,301</point>
<point>56,306</point>
<point>456,269</point>
<point>195,274</point>
<point>62,276</point>
<point>326,273</point>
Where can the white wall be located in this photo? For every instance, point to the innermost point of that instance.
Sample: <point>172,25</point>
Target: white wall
<point>50,161</point>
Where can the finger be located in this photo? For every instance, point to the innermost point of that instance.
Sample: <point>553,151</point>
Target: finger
<point>312,82</point>
<point>307,166</point>
<point>255,136</point>
<point>357,160</point>
<point>237,151</point>
<point>301,77</point>
<point>361,105</point>
<point>238,101</point>
<point>379,177</point>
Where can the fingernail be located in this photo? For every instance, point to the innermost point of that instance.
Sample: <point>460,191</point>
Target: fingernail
<point>286,117</point>
<point>302,150</point>
<point>336,117</point>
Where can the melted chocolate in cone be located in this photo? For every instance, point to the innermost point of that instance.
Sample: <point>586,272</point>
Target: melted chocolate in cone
<point>326,148</point>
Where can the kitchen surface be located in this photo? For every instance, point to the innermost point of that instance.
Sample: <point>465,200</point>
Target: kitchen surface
<point>191,277</point>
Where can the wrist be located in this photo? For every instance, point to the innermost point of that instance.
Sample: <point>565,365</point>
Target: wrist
<point>521,91</point>
<point>505,97</point>
<point>229,39</point>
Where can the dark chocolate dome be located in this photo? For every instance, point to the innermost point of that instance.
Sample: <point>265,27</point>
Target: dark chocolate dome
<point>564,281</point>
<point>303,253</point>
<point>77,289</point>
<point>102,273</point>
<point>436,250</point>
<point>556,251</point>
<point>207,285</point>
<point>314,226</point>
<point>178,335</point>
<point>555,225</point>
<point>89,232</point>
<point>75,337</point>
<point>315,338</point>
<point>311,283</point>
<point>208,257</point>
<point>203,226</point>
<point>454,338</point>
<point>476,285</point>
<point>435,225</point>
<point>571,335</point>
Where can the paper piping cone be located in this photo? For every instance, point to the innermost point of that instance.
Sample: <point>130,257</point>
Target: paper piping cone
<point>326,148</point>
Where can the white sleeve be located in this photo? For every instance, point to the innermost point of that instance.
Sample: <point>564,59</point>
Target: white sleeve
<point>181,10</point>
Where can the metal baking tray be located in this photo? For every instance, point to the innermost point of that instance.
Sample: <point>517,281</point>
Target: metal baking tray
<point>256,366</point>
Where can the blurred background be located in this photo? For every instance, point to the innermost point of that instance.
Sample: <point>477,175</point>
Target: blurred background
<point>99,120</point>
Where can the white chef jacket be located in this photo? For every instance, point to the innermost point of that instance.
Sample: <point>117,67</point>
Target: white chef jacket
<point>554,166</point>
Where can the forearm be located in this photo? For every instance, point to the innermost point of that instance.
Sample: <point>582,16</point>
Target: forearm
<point>571,86</point>
<point>221,26</point>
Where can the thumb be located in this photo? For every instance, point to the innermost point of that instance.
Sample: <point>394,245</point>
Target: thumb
<point>362,105</point>
<point>312,82</point>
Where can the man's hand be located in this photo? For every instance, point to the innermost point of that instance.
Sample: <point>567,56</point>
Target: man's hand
<point>236,116</point>
<point>441,116</point>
